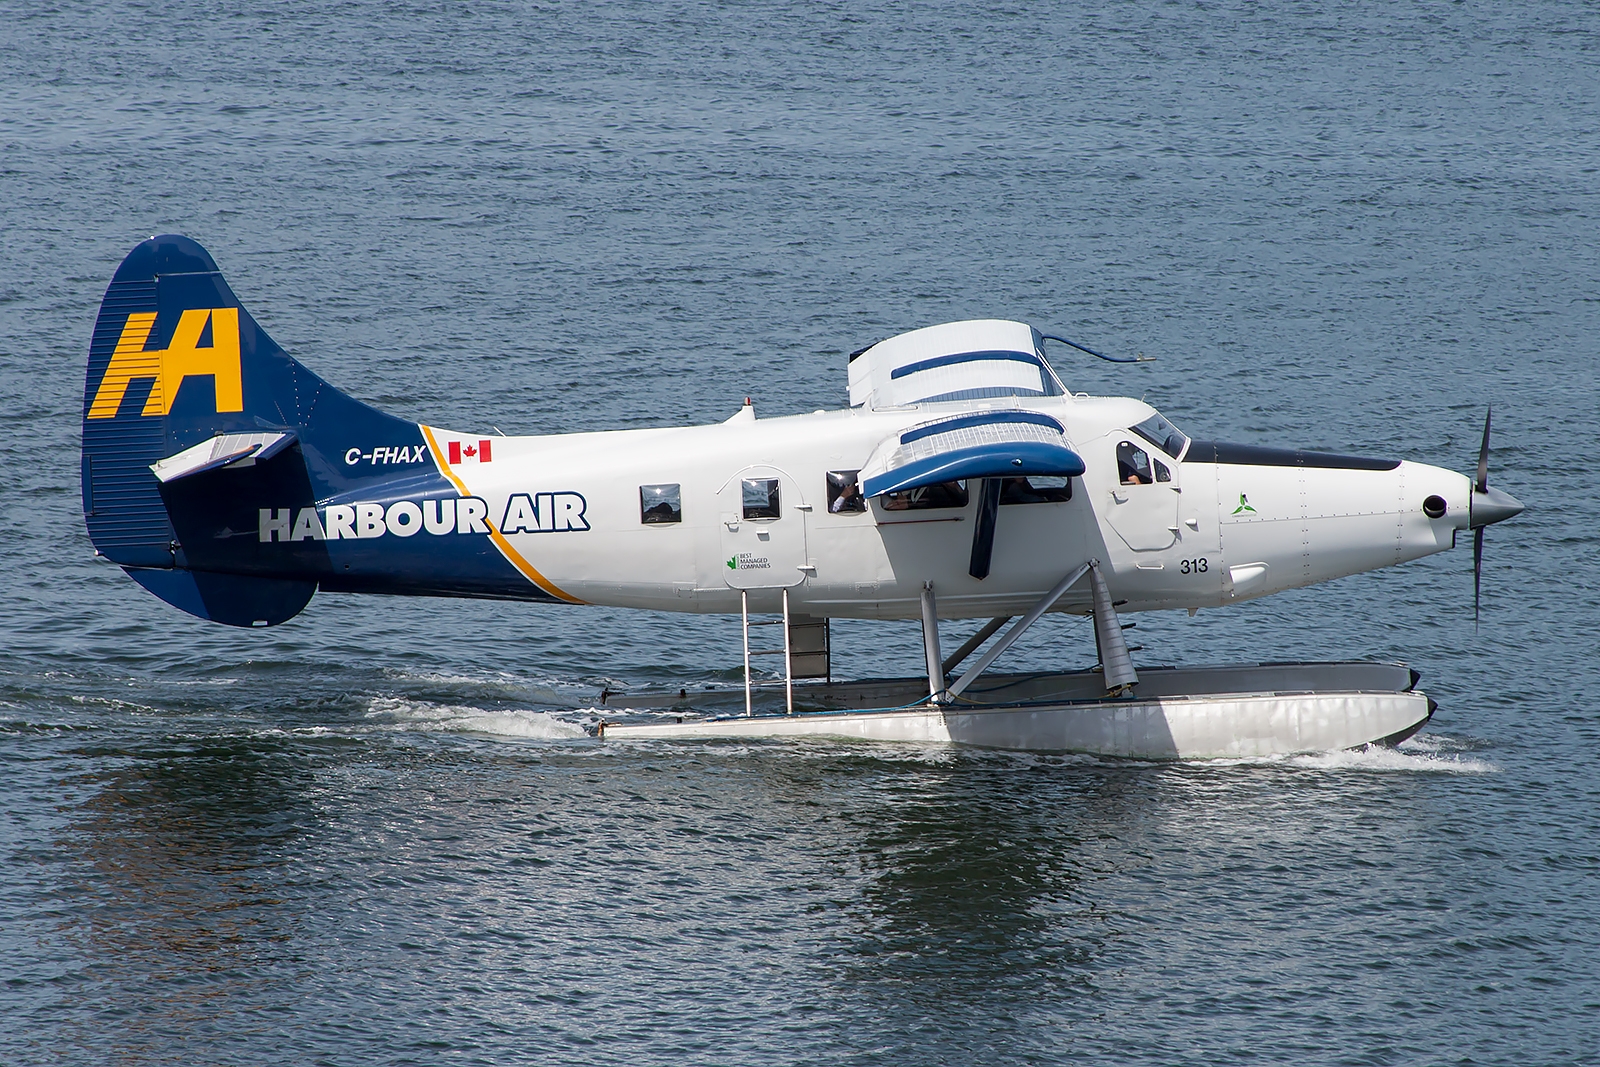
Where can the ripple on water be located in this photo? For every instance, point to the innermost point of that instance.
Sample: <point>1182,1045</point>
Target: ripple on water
<point>381,833</point>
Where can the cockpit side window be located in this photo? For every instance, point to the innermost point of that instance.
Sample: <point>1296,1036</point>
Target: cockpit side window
<point>1161,433</point>
<point>1162,473</point>
<point>1133,465</point>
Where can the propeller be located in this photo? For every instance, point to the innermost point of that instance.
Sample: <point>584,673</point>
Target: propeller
<point>1482,486</point>
<point>1488,506</point>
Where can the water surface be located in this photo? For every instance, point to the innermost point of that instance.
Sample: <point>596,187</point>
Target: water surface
<point>380,833</point>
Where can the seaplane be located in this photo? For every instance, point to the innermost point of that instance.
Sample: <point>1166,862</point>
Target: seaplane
<point>964,481</point>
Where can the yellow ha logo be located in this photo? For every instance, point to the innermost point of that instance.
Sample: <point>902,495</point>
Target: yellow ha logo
<point>171,365</point>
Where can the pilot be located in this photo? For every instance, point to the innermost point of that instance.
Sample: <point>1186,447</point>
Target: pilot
<point>1133,466</point>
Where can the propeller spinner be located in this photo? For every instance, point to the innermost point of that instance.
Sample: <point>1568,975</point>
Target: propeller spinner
<point>1488,506</point>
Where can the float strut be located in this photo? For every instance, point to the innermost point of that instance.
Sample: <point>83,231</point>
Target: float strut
<point>1114,660</point>
<point>930,644</point>
<point>970,644</point>
<point>788,660</point>
<point>744,612</point>
<point>1015,632</point>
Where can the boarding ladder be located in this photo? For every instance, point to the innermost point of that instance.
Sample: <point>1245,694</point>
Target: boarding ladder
<point>805,650</point>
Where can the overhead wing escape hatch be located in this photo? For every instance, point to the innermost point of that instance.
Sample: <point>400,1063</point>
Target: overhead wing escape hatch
<point>973,360</point>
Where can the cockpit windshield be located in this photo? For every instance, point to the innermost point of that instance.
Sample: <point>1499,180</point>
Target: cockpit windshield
<point>1161,433</point>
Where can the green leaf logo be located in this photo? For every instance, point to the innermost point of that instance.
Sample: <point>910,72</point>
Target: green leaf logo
<point>1244,506</point>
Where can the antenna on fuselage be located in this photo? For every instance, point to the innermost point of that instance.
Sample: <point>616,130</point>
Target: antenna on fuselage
<point>1137,357</point>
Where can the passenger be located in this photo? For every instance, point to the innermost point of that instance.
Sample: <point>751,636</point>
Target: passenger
<point>849,499</point>
<point>1020,491</point>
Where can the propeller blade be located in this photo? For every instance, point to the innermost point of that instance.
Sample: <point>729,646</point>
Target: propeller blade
<point>1483,454</point>
<point>1477,573</point>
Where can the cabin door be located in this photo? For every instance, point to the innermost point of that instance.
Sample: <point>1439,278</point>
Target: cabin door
<point>761,514</point>
<point>1143,502</point>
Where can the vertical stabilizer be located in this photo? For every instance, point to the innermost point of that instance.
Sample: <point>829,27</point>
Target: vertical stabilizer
<point>183,380</point>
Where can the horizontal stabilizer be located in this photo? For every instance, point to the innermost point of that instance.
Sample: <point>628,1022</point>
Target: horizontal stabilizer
<point>224,450</point>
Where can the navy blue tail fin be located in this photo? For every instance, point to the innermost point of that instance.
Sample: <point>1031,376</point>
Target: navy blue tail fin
<point>175,362</point>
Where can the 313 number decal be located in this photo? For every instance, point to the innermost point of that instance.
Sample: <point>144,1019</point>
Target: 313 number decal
<point>1194,566</point>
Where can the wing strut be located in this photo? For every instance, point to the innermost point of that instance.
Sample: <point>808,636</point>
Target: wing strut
<point>983,530</point>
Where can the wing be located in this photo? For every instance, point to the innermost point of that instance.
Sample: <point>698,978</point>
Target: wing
<point>987,444</point>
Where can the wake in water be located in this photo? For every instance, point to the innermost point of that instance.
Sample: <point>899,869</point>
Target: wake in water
<point>1421,753</point>
<point>419,715</point>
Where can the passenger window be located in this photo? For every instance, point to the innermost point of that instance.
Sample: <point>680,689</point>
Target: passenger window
<point>760,498</point>
<point>940,495</point>
<point>1133,466</point>
<point>1035,489</point>
<point>660,503</point>
<point>844,493</point>
<point>1162,474</point>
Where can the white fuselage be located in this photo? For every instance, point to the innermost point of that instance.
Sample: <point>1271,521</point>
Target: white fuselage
<point>1213,534</point>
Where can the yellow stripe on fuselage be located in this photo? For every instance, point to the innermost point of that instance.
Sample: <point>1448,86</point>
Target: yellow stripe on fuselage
<point>529,571</point>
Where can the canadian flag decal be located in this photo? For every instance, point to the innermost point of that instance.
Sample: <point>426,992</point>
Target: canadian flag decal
<point>481,452</point>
